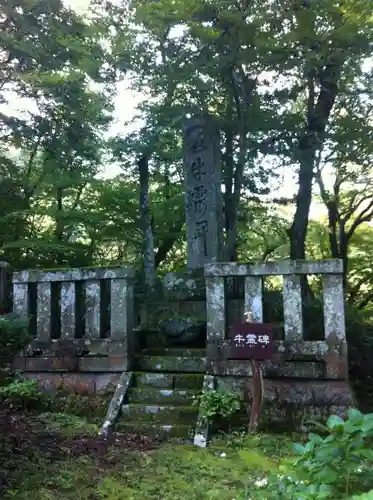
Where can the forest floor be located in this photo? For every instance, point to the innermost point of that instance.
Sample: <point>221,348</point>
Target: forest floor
<point>60,457</point>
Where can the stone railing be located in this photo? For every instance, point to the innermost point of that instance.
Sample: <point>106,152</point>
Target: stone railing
<point>89,310</point>
<point>332,351</point>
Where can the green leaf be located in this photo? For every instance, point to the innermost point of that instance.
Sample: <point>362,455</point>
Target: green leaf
<point>315,438</point>
<point>335,422</point>
<point>299,448</point>
<point>354,414</point>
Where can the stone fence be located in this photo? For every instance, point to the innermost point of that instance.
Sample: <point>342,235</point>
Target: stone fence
<point>77,297</point>
<point>82,324</point>
<point>327,358</point>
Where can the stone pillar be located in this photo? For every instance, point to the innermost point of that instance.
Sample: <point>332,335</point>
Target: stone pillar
<point>202,178</point>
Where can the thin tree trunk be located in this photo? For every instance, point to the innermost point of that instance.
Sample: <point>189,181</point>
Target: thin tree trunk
<point>311,141</point>
<point>146,221</point>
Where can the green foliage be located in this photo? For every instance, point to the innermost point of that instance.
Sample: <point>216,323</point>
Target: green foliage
<point>13,336</point>
<point>333,465</point>
<point>67,425</point>
<point>213,404</point>
<point>23,394</point>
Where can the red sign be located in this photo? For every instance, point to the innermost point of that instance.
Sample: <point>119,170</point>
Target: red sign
<point>251,341</point>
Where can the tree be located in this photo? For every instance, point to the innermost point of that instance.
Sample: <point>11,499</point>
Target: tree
<point>344,172</point>
<point>51,58</point>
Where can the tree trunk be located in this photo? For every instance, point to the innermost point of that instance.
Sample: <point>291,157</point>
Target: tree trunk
<point>146,222</point>
<point>310,142</point>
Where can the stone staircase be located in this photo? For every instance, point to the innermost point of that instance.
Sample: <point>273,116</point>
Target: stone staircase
<point>160,398</point>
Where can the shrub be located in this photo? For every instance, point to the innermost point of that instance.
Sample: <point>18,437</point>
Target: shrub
<point>13,336</point>
<point>23,394</point>
<point>213,404</point>
<point>333,466</point>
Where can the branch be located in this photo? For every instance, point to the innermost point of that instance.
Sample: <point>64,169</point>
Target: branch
<point>364,216</point>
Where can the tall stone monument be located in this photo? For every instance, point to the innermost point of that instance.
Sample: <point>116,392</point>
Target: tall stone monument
<point>203,203</point>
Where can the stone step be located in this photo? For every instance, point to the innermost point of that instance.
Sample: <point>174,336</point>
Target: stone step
<point>175,352</point>
<point>161,396</point>
<point>192,381</point>
<point>176,364</point>
<point>155,414</point>
<point>162,430</point>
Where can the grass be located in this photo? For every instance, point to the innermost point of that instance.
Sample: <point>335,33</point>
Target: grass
<point>81,467</point>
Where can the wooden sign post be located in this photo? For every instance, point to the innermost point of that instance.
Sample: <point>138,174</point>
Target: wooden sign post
<point>252,341</point>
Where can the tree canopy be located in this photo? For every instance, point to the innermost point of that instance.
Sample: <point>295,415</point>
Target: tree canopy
<point>289,83</point>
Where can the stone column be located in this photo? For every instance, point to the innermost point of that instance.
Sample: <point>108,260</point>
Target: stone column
<point>202,178</point>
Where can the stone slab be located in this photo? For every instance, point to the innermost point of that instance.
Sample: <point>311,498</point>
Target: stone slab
<point>157,414</point>
<point>149,429</point>
<point>74,347</point>
<point>82,274</point>
<point>270,369</point>
<point>172,364</point>
<point>203,200</point>
<point>305,392</point>
<point>278,268</point>
<point>171,397</point>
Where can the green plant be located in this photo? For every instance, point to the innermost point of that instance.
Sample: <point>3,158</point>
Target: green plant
<point>68,425</point>
<point>214,404</point>
<point>23,394</point>
<point>334,465</point>
<point>13,336</point>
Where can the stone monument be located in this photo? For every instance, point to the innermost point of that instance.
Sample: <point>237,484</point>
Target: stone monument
<point>182,316</point>
<point>202,180</point>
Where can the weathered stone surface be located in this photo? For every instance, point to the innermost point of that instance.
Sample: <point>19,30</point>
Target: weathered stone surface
<point>75,347</point>
<point>175,351</point>
<point>172,364</point>
<point>92,309</point>
<point>188,381</point>
<point>293,319</point>
<point>74,383</point>
<point>201,434</point>
<point>20,298</point>
<point>116,404</point>
<point>160,414</point>
<point>44,364</point>
<point>305,392</point>
<point>184,330</point>
<point>300,350</point>
<point>78,383</point>
<point>67,307</point>
<point>150,429</point>
<point>93,364</point>
<point>215,311</point>
<point>171,397</point>
<point>286,418</point>
<point>160,380</point>
<point>334,317</point>
<point>336,366</point>
<point>105,382</point>
<point>271,369</point>
<point>185,286</point>
<point>83,274</point>
<point>50,382</point>
<point>332,266</point>
<point>43,314</point>
<point>203,204</point>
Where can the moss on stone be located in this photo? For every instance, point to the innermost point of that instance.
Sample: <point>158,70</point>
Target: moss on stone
<point>151,429</point>
<point>92,406</point>
<point>161,396</point>
<point>160,414</point>
<point>188,381</point>
<point>172,364</point>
